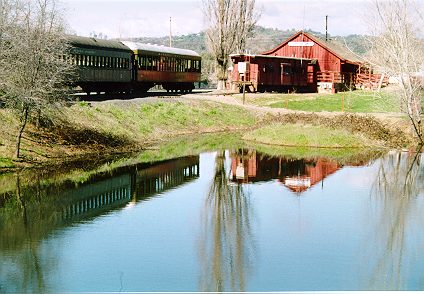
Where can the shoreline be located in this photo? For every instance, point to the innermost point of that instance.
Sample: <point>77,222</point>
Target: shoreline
<point>114,127</point>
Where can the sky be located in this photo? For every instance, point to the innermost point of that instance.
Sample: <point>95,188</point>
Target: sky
<point>151,18</point>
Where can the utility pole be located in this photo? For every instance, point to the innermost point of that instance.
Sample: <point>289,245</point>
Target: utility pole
<point>326,27</point>
<point>170,32</point>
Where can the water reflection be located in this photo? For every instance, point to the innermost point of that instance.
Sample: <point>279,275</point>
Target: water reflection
<point>398,191</point>
<point>298,175</point>
<point>226,245</point>
<point>246,238</point>
<point>32,212</point>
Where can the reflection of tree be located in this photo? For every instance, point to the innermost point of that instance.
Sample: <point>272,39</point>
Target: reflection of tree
<point>226,243</point>
<point>28,270</point>
<point>400,181</point>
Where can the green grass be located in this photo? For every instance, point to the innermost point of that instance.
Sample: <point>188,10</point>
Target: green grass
<point>353,101</point>
<point>155,121</point>
<point>306,136</point>
<point>6,163</point>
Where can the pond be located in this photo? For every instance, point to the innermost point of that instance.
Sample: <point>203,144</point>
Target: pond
<point>227,220</point>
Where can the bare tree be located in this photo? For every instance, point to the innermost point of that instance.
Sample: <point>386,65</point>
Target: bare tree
<point>226,245</point>
<point>32,59</point>
<point>229,24</point>
<point>397,189</point>
<point>398,49</point>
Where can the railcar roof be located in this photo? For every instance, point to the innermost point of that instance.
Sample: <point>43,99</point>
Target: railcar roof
<point>96,43</point>
<point>159,49</point>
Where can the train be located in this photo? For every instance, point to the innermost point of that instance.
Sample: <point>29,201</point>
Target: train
<point>126,67</point>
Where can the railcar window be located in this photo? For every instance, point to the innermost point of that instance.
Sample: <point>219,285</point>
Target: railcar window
<point>144,62</point>
<point>167,63</point>
<point>178,65</point>
<point>163,62</point>
<point>171,63</point>
<point>286,68</point>
<point>155,63</point>
<point>149,63</point>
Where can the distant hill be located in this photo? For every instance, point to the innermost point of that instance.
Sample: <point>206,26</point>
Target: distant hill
<point>263,39</point>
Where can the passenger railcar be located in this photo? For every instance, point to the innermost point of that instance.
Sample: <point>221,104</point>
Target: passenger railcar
<point>174,68</point>
<point>273,73</point>
<point>101,65</point>
<point>114,66</point>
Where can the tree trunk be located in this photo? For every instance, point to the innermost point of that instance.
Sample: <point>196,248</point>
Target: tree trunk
<point>24,120</point>
<point>221,85</point>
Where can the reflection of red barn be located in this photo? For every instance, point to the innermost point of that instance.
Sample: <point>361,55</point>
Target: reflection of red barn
<point>244,167</point>
<point>313,174</point>
<point>297,175</point>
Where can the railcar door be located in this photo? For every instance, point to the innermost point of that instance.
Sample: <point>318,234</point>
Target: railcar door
<point>267,74</point>
<point>286,74</point>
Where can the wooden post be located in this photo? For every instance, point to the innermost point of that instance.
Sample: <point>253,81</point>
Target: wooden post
<point>244,90</point>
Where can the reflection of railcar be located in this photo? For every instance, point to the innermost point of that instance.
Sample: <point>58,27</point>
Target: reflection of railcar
<point>114,66</point>
<point>273,73</point>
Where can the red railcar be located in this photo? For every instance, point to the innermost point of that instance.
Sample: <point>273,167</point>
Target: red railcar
<point>273,73</point>
<point>173,68</point>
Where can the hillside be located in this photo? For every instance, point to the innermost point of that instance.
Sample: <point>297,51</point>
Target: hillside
<point>263,39</point>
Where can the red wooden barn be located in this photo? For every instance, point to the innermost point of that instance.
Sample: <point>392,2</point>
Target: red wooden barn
<point>336,66</point>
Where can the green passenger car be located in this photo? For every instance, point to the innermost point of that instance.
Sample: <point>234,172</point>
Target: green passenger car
<point>102,65</point>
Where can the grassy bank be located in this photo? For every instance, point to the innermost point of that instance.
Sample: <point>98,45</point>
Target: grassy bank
<point>108,127</point>
<point>100,130</point>
<point>301,135</point>
<point>359,101</point>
